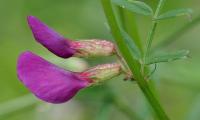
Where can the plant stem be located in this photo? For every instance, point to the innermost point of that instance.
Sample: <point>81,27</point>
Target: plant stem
<point>150,39</point>
<point>175,35</point>
<point>152,30</point>
<point>133,64</point>
<point>159,7</point>
<point>128,22</point>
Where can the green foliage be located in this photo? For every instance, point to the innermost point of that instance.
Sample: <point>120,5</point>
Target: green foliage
<point>175,13</point>
<point>134,6</point>
<point>167,57</point>
<point>132,62</point>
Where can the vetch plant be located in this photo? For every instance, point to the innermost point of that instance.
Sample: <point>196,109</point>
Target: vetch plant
<point>139,67</point>
<point>56,85</point>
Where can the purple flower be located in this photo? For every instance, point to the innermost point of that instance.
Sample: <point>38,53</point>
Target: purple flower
<point>65,48</point>
<point>56,85</point>
<point>47,81</point>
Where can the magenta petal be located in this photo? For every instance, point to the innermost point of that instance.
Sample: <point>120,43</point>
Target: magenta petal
<point>50,39</point>
<point>47,81</point>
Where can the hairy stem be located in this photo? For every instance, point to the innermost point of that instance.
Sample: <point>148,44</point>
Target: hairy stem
<point>132,62</point>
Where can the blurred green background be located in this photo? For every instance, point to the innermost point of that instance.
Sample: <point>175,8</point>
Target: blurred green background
<point>177,83</point>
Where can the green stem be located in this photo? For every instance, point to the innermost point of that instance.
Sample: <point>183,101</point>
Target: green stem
<point>159,7</point>
<point>152,29</point>
<point>175,35</point>
<point>128,22</point>
<point>150,39</point>
<point>133,64</point>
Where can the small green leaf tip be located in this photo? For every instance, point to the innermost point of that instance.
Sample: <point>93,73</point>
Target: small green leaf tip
<point>175,13</point>
<point>168,57</point>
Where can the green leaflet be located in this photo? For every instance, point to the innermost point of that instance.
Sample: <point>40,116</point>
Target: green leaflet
<point>134,6</point>
<point>167,57</point>
<point>131,44</point>
<point>175,13</point>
